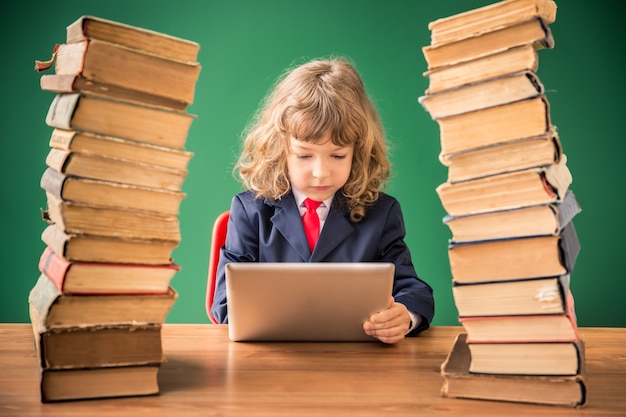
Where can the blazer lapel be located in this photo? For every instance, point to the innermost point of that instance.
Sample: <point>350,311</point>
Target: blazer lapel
<point>336,229</point>
<point>286,220</point>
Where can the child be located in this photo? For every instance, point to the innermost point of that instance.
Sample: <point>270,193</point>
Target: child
<point>318,136</point>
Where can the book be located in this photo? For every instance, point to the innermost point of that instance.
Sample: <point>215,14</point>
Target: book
<point>81,218</point>
<point>104,382</point>
<point>543,219</point>
<point>58,310</point>
<point>149,41</point>
<point>110,194</point>
<point>529,187</point>
<point>95,248</point>
<point>514,258</point>
<point>533,31</point>
<point>484,19</point>
<point>459,382</point>
<point>480,95</point>
<point>97,346</point>
<point>118,148</point>
<point>530,296</point>
<point>124,119</point>
<point>547,358</point>
<point>115,170</point>
<point>520,329</point>
<point>69,83</point>
<point>76,277</point>
<point>536,328</point>
<point>109,64</point>
<point>518,155</point>
<point>495,125</point>
<point>517,59</point>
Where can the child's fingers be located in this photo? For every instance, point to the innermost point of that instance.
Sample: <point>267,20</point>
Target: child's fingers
<point>384,334</point>
<point>390,325</point>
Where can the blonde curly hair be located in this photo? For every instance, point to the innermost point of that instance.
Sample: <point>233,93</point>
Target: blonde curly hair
<point>320,96</point>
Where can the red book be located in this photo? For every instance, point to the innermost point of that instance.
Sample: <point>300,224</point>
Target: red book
<point>72,277</point>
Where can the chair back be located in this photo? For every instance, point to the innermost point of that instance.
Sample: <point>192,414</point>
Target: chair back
<point>218,238</point>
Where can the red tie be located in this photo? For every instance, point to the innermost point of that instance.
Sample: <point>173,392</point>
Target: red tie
<point>311,222</point>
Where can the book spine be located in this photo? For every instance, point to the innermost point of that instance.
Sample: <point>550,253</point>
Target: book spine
<point>533,31</point>
<point>76,31</point>
<point>54,267</point>
<point>569,246</point>
<point>487,93</point>
<point>70,58</point>
<point>42,296</point>
<point>58,159</point>
<point>514,60</point>
<point>55,238</point>
<point>53,181</point>
<point>59,83</point>
<point>61,139</point>
<point>61,110</point>
<point>568,208</point>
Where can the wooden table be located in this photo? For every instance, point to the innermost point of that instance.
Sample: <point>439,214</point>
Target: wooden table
<point>207,375</point>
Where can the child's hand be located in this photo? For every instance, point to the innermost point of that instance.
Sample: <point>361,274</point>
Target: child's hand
<point>390,325</point>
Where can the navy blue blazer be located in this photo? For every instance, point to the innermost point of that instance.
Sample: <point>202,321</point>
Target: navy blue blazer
<point>262,230</point>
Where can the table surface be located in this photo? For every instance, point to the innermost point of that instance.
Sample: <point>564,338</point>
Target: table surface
<point>205,374</point>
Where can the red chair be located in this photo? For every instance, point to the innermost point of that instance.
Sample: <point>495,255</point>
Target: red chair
<point>218,238</point>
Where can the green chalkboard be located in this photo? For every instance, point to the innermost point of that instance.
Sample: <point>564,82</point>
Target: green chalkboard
<point>245,45</point>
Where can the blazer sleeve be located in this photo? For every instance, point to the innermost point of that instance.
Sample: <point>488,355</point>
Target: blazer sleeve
<point>408,288</point>
<point>241,246</point>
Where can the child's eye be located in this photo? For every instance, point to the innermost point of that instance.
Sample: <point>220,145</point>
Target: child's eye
<point>340,156</point>
<point>302,156</point>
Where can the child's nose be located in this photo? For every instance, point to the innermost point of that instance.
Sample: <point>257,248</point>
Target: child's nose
<point>320,168</point>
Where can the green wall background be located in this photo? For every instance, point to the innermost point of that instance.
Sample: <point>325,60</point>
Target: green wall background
<point>245,45</point>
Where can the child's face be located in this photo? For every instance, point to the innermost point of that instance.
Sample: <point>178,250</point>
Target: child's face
<point>319,170</point>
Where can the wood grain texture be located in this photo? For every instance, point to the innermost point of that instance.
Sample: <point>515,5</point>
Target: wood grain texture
<point>207,375</point>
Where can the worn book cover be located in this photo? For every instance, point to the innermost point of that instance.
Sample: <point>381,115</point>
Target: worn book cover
<point>142,39</point>
<point>93,219</point>
<point>536,220</point>
<point>510,190</point>
<point>555,327</point>
<point>105,382</point>
<point>110,194</point>
<point>488,18</point>
<point>118,69</point>
<point>76,277</point>
<point>97,167</point>
<point>58,310</point>
<point>480,95</point>
<point>515,258</point>
<point>529,296</point>
<point>119,118</point>
<point>459,382</point>
<point>97,248</point>
<point>119,148</point>
<point>533,31</point>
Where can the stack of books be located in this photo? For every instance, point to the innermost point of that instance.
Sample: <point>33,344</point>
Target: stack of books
<point>113,184</point>
<point>509,206</point>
